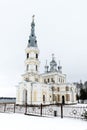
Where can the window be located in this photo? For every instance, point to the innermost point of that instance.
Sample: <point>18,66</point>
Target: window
<point>35,41</point>
<point>36,79</point>
<point>27,55</point>
<point>48,80</point>
<point>58,89</point>
<point>43,98</point>
<point>53,88</point>
<point>59,79</point>
<point>45,81</point>
<point>54,97</point>
<point>58,97</point>
<point>52,80</point>
<point>27,79</point>
<point>37,56</point>
<point>67,88</point>
<point>36,67</point>
<point>67,97</point>
<point>27,67</point>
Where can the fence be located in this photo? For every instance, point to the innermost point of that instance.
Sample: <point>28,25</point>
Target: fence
<point>48,110</point>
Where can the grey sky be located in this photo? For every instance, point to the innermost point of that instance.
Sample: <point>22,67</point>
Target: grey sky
<point>61,28</point>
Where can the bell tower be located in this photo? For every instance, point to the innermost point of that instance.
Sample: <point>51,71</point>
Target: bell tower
<point>32,56</point>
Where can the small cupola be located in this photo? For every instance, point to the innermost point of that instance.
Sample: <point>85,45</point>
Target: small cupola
<point>53,64</point>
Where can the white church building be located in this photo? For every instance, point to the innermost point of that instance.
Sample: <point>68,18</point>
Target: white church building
<point>49,87</point>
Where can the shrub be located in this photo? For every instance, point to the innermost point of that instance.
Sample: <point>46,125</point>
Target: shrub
<point>85,115</point>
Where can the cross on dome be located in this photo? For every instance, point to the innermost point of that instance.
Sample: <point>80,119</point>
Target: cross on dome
<point>33,17</point>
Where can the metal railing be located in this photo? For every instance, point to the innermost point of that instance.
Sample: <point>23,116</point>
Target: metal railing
<point>57,110</point>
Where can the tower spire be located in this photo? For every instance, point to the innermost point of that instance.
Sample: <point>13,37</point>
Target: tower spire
<point>32,54</point>
<point>32,42</point>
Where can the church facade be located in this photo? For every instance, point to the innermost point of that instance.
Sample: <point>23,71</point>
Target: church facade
<point>47,88</point>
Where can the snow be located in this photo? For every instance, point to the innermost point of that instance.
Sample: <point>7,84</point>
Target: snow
<point>24,122</point>
<point>80,105</point>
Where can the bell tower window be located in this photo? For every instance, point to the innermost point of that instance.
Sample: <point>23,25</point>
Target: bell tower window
<point>29,41</point>
<point>27,55</point>
<point>27,67</point>
<point>48,80</point>
<point>35,41</point>
<point>36,67</point>
<point>36,56</point>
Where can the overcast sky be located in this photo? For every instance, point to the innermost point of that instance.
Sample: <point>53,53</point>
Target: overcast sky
<point>61,28</point>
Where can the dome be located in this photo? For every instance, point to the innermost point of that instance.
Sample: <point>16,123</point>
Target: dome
<point>53,64</point>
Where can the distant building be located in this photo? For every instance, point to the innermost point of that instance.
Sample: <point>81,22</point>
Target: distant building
<point>47,88</point>
<point>7,100</point>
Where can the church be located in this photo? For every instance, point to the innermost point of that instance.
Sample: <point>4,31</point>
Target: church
<point>47,88</point>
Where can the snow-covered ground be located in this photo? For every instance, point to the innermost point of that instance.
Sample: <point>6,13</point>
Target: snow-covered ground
<point>80,105</point>
<point>24,122</point>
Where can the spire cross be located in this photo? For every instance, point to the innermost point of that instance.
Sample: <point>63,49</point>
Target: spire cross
<point>33,17</point>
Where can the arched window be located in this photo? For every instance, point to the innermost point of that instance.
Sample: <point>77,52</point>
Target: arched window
<point>67,88</point>
<point>36,56</point>
<point>27,67</point>
<point>27,55</point>
<point>35,41</point>
<point>59,98</point>
<point>44,98</point>
<point>59,79</point>
<point>58,89</point>
<point>54,97</point>
<point>48,80</point>
<point>45,81</point>
<point>67,97</point>
<point>36,67</point>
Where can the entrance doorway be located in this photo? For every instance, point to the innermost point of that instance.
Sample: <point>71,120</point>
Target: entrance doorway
<point>63,99</point>
<point>44,99</point>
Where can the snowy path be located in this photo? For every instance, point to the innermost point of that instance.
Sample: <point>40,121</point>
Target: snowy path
<point>24,122</point>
